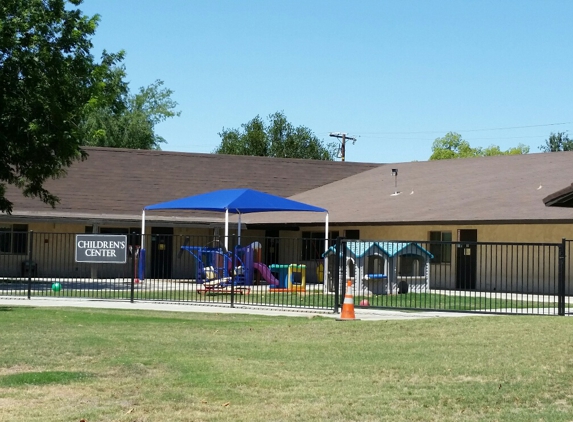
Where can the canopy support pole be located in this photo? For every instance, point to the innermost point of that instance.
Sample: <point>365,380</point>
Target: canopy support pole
<point>325,269</point>
<point>143,229</point>
<point>239,229</point>
<point>227,229</point>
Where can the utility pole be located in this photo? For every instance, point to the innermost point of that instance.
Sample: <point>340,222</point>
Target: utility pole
<point>344,138</point>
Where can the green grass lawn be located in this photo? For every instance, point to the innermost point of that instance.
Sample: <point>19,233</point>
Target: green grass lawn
<point>108,365</point>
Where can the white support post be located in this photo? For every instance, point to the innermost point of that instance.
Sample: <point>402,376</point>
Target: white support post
<point>227,229</point>
<point>239,230</point>
<point>142,229</point>
<point>325,269</point>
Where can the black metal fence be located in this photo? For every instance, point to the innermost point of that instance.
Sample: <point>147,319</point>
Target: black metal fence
<point>524,278</point>
<point>261,271</point>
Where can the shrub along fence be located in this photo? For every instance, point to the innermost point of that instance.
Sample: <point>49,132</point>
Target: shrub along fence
<point>516,278</point>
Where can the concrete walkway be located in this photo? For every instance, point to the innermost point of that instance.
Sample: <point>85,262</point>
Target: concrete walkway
<point>362,314</point>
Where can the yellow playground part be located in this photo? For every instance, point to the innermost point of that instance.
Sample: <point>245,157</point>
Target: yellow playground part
<point>320,273</point>
<point>292,277</point>
<point>296,277</point>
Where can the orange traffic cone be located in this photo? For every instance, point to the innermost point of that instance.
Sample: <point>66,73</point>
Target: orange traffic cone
<point>348,304</point>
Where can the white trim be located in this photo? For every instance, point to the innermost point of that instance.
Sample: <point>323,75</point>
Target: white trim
<point>325,268</point>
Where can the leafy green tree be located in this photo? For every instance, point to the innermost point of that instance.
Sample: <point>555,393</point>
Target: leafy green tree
<point>495,150</point>
<point>276,138</point>
<point>47,76</point>
<point>453,146</point>
<point>131,123</point>
<point>557,142</point>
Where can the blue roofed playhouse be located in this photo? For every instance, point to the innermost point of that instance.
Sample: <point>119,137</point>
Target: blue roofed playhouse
<point>381,268</point>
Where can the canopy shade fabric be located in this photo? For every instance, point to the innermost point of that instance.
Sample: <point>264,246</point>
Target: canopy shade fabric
<point>235,201</point>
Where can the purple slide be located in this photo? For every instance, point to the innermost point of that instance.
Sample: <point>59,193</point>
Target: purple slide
<point>266,273</point>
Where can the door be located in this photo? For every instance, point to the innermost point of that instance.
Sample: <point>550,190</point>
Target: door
<point>466,262</point>
<point>161,252</point>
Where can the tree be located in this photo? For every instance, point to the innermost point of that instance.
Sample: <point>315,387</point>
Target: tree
<point>557,142</point>
<point>495,150</point>
<point>453,146</point>
<point>47,76</point>
<point>277,138</point>
<point>132,124</point>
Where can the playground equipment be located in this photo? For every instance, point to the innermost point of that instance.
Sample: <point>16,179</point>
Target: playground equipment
<point>291,277</point>
<point>253,268</point>
<point>217,269</point>
<point>381,268</point>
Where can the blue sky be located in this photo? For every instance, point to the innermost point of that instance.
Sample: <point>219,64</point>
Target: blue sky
<point>394,74</point>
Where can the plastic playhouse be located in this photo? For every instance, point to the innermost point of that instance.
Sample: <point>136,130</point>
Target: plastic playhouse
<point>381,268</point>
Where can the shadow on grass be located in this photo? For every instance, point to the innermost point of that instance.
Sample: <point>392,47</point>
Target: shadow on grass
<point>42,378</point>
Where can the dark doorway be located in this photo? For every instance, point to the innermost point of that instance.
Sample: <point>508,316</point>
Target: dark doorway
<point>271,247</point>
<point>161,252</point>
<point>466,262</point>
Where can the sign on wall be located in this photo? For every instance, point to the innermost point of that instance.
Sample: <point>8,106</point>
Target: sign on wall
<point>101,248</point>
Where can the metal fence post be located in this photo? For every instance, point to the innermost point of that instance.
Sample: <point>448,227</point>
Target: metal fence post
<point>132,240</point>
<point>227,255</point>
<point>561,280</point>
<point>28,265</point>
<point>336,275</point>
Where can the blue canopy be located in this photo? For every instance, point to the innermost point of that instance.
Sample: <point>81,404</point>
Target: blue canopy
<point>236,201</point>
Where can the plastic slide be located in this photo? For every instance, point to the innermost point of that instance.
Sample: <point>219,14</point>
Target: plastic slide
<point>266,273</point>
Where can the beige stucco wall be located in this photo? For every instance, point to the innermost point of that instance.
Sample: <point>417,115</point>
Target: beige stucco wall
<point>486,233</point>
<point>54,245</point>
<point>499,267</point>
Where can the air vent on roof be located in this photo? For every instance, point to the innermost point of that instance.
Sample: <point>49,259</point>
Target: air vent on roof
<point>395,174</point>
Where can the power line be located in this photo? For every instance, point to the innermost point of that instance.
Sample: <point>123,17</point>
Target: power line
<point>467,138</point>
<point>464,130</point>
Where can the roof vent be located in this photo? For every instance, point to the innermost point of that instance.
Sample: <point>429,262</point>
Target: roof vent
<point>395,174</point>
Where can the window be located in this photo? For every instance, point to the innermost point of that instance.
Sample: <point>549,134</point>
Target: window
<point>313,244</point>
<point>442,251</point>
<point>14,238</point>
<point>411,265</point>
<point>351,268</point>
<point>375,264</point>
<point>352,234</point>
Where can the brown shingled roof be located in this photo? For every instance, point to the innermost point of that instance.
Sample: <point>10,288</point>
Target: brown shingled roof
<point>472,190</point>
<point>561,198</point>
<point>117,183</point>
